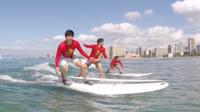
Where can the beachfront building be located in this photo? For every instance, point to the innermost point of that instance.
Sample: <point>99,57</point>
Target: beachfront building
<point>181,48</point>
<point>131,54</point>
<point>198,49</point>
<point>117,51</point>
<point>191,46</point>
<point>176,49</point>
<point>161,52</point>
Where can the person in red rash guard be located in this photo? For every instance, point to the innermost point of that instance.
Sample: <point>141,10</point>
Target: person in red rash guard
<point>97,50</point>
<point>66,50</point>
<point>115,64</point>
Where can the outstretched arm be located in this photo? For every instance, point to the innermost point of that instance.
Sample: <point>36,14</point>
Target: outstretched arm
<point>88,46</point>
<point>81,51</point>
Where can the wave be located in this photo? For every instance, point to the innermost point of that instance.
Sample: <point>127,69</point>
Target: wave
<point>9,78</point>
<point>48,75</point>
<point>49,78</point>
<point>43,80</point>
<point>40,67</point>
<point>38,73</point>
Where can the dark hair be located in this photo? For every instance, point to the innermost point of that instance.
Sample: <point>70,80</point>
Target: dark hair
<point>99,40</point>
<point>69,33</point>
<point>116,57</point>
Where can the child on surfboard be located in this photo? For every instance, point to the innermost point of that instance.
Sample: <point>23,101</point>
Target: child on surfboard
<point>114,64</point>
<point>97,50</point>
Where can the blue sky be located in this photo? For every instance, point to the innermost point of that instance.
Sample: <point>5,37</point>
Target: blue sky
<point>24,23</point>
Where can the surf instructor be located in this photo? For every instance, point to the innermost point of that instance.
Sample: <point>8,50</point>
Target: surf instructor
<point>66,50</point>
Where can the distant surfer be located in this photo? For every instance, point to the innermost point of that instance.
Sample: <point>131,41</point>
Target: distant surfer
<point>66,50</point>
<point>114,64</point>
<point>97,50</point>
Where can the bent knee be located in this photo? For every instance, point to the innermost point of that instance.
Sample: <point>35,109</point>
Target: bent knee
<point>65,67</point>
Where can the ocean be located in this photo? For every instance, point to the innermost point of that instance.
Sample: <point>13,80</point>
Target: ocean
<point>27,85</point>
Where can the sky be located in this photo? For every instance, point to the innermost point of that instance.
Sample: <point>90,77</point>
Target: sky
<point>36,27</point>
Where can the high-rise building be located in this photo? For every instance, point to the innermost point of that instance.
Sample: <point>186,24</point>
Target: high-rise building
<point>198,49</point>
<point>117,51</point>
<point>139,51</point>
<point>181,48</point>
<point>169,48</point>
<point>175,48</point>
<point>147,53</point>
<point>191,45</point>
<point>172,48</point>
<point>160,52</point>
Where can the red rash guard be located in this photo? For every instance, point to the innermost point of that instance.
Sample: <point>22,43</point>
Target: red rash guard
<point>96,51</point>
<point>67,51</point>
<point>114,63</point>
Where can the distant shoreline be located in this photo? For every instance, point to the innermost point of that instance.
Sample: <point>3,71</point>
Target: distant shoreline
<point>137,58</point>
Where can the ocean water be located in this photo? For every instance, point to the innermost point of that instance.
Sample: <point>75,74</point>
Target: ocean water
<point>27,85</point>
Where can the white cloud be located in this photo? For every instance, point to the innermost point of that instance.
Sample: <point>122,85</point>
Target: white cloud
<point>131,36</point>
<point>189,9</point>
<point>133,15</point>
<point>83,38</point>
<point>53,39</point>
<point>59,38</point>
<point>148,12</point>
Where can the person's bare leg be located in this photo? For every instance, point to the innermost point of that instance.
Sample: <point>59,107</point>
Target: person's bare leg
<point>100,69</point>
<point>82,69</point>
<point>118,68</point>
<point>63,73</point>
<point>83,72</point>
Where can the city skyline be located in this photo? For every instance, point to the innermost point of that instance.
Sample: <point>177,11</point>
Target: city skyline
<point>38,27</point>
<point>176,49</point>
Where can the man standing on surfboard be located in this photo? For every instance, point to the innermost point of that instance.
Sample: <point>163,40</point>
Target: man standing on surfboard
<point>97,50</point>
<point>115,64</point>
<point>66,50</point>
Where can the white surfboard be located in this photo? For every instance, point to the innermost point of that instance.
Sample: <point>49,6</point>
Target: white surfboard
<point>98,80</point>
<point>130,74</point>
<point>117,89</point>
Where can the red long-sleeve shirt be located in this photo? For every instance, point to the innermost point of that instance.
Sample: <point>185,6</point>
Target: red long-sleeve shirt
<point>96,51</point>
<point>67,51</point>
<point>114,62</point>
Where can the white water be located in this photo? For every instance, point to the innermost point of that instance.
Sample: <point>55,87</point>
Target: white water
<point>14,80</point>
<point>39,67</point>
<point>11,79</point>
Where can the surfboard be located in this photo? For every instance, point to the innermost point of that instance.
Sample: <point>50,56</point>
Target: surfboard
<point>114,89</point>
<point>103,80</point>
<point>130,74</point>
